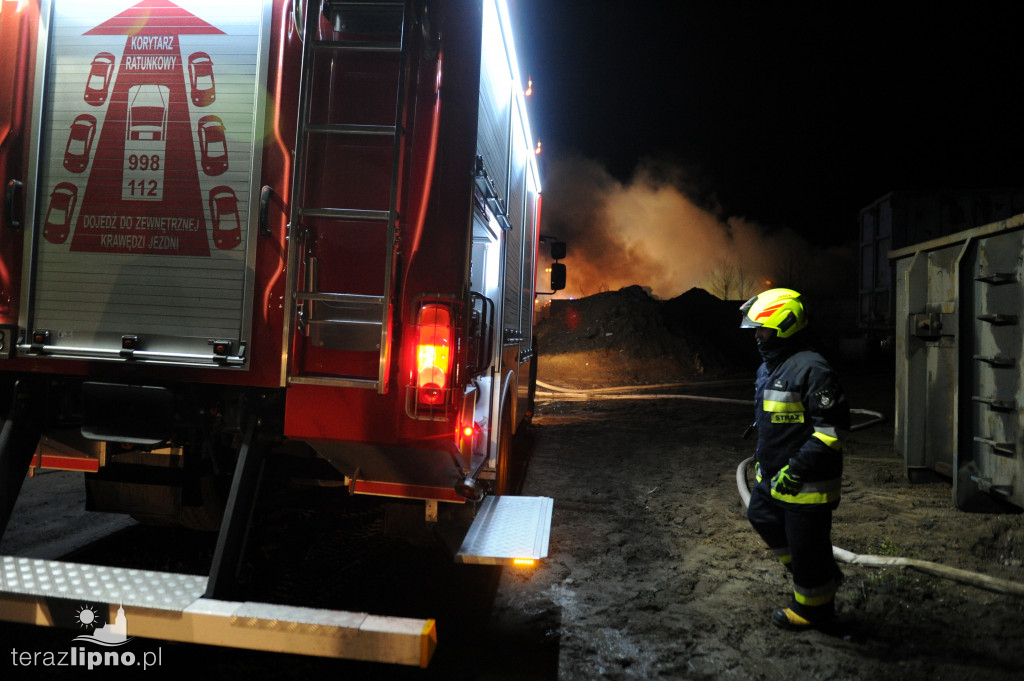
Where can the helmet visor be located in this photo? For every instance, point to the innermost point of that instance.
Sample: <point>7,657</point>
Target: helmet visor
<point>747,322</point>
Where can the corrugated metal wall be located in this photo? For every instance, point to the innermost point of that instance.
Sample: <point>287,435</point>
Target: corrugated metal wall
<point>959,349</point>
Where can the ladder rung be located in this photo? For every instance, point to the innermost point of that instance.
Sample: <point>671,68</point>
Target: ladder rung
<point>352,299</point>
<point>355,335</point>
<point>360,325</point>
<point>343,382</point>
<point>357,45</point>
<point>367,4</point>
<point>349,129</point>
<point>345,214</point>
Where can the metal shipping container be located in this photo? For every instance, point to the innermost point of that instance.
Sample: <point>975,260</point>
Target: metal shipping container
<point>959,393</point>
<point>901,218</point>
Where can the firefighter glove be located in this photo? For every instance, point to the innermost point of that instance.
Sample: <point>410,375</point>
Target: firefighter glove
<point>786,481</point>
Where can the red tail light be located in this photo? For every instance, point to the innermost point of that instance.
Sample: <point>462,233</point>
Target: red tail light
<point>433,353</point>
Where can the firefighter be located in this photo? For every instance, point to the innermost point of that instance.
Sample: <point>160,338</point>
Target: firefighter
<point>799,407</point>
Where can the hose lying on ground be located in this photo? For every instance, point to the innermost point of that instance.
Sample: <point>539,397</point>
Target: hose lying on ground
<point>1002,586</point>
<point>556,392</point>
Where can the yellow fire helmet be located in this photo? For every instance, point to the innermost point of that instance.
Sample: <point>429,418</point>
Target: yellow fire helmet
<point>777,308</point>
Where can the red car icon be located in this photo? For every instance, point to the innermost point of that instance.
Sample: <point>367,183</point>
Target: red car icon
<point>200,75</point>
<point>76,152</point>
<point>97,85</point>
<point>213,147</point>
<point>227,225</point>
<point>147,112</point>
<point>58,216</point>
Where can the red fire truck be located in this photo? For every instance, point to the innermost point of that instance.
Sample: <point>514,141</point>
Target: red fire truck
<point>254,230</point>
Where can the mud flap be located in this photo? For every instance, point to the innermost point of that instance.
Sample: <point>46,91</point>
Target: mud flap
<point>508,530</point>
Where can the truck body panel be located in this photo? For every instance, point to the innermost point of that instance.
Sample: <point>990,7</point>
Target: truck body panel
<point>151,244</point>
<point>260,228</point>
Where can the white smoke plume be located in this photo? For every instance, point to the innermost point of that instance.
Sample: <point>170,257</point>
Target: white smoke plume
<point>650,232</point>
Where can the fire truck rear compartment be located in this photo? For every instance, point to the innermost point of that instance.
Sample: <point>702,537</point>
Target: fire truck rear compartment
<point>132,414</point>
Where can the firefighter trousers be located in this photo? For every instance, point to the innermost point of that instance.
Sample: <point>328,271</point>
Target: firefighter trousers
<point>801,539</point>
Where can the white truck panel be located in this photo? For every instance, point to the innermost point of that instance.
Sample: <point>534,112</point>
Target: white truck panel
<point>148,178</point>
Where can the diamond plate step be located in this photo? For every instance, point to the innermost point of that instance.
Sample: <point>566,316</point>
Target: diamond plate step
<point>171,607</point>
<point>508,531</point>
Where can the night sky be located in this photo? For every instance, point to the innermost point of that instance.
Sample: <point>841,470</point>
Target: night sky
<point>792,114</point>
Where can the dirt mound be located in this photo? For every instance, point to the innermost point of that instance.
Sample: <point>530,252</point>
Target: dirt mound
<point>628,336</point>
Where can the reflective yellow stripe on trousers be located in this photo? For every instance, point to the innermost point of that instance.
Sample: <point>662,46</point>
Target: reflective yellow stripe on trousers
<point>820,595</point>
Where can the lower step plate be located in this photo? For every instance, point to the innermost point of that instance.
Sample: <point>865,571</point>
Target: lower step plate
<point>171,606</point>
<point>508,531</point>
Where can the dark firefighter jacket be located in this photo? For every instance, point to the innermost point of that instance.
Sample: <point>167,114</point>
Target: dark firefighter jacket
<point>799,406</point>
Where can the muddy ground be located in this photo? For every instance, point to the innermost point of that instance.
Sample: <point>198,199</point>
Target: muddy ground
<point>654,572</point>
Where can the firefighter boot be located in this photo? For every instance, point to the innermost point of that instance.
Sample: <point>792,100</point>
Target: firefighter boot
<point>785,618</point>
<point>791,620</point>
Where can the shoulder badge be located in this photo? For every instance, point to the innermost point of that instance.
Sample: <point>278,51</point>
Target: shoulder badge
<point>779,384</point>
<point>825,398</point>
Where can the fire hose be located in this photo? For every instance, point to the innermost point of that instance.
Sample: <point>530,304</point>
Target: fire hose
<point>994,584</point>
<point>628,393</point>
<point>1002,586</point>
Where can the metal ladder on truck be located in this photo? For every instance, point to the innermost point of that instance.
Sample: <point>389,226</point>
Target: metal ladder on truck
<point>507,530</point>
<point>358,322</point>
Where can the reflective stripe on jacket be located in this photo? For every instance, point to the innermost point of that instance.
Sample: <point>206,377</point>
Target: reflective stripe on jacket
<point>799,407</point>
